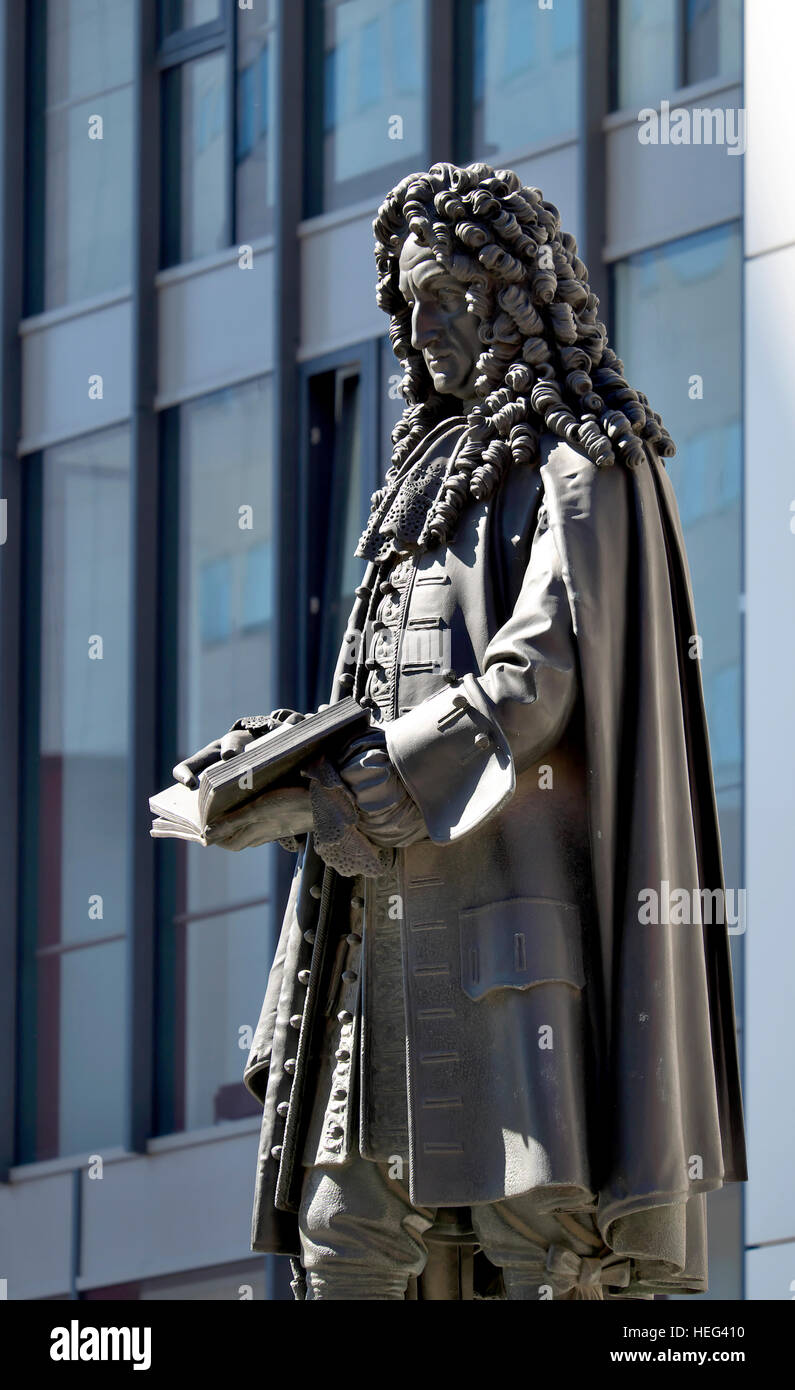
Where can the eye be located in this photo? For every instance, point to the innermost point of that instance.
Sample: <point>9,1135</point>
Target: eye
<point>450,299</point>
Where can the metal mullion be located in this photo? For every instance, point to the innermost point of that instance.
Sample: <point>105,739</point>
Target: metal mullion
<point>231,120</point>
<point>594,105</point>
<point>192,43</point>
<point>63,948</point>
<point>145,522</point>
<point>15,717</point>
<point>680,44</point>
<point>438,77</point>
<point>463,81</point>
<point>183,919</point>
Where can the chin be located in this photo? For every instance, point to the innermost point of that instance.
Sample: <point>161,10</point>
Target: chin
<point>445,385</point>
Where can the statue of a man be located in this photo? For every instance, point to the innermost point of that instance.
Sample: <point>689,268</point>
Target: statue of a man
<point>483,1067</point>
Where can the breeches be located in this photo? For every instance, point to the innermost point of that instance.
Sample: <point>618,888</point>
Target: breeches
<point>362,1239</point>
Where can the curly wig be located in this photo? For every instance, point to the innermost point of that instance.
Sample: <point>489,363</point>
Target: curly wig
<point>546,365</point>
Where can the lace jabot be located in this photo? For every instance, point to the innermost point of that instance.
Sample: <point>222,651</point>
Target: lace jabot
<point>396,523</point>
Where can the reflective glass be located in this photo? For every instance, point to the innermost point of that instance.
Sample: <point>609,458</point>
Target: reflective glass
<point>525,75</point>
<point>373,95</point>
<point>713,38</point>
<point>256,120</point>
<point>83,829</point>
<point>196,157</point>
<point>90,47</point>
<point>88,243</point>
<point>678,332</point>
<point>219,948</point>
<point>647,65</point>
<point>87,128</point>
<point>186,14</point>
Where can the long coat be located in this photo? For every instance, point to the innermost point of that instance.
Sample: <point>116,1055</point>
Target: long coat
<point>553,1039</point>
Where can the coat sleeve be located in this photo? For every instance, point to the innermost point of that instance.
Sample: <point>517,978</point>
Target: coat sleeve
<point>459,752</point>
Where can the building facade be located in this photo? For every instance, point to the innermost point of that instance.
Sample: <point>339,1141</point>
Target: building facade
<point>196,399</point>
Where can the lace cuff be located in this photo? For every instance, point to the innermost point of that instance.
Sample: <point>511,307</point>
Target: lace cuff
<point>338,840</point>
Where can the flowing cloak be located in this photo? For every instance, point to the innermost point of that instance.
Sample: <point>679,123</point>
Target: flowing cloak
<point>667,1079</point>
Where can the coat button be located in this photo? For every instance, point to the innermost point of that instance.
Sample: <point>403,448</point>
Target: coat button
<point>482,741</point>
<point>303,977</point>
<point>276,1151</point>
<point>353,938</point>
<point>315,890</point>
<point>349,976</point>
<point>295,1021</point>
<point>344,1016</point>
<point>289,1065</point>
<point>282,1108</point>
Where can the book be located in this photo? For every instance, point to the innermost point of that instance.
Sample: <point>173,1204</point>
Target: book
<point>267,763</point>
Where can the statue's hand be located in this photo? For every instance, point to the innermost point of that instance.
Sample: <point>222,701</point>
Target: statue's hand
<point>242,732</point>
<point>275,815</point>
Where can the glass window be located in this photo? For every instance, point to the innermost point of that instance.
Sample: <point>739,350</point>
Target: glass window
<point>666,44</point>
<point>195,164</point>
<point>372,111</point>
<point>85,123</point>
<point>216,942</point>
<point>524,80</point>
<point>74,949</point>
<point>713,41</point>
<point>344,471</point>
<point>187,14</point>
<point>678,333</point>
<point>256,119</point>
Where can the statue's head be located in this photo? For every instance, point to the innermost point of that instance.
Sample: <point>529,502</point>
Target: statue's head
<point>489,302</point>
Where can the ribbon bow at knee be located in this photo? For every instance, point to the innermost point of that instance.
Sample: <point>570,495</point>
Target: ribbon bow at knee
<point>587,1274</point>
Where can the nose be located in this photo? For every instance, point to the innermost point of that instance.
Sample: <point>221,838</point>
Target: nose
<point>425,326</point>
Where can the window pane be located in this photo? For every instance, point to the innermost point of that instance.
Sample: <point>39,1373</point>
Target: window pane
<point>688,293</point>
<point>92,1047</point>
<point>525,75</point>
<point>86,125</point>
<point>647,66</point>
<point>256,112</point>
<point>83,831</point>
<point>225,966</point>
<point>195,190</point>
<point>713,38</point>
<point>217,964</point>
<point>89,199</point>
<point>186,14</point>
<point>373,95</point>
<point>90,47</point>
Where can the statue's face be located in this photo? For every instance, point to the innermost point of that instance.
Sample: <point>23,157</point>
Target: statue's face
<point>442,328</point>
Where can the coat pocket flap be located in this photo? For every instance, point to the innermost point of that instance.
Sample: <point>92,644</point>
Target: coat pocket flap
<point>518,943</point>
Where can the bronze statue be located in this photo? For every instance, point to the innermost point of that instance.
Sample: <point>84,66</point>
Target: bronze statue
<point>482,1073</point>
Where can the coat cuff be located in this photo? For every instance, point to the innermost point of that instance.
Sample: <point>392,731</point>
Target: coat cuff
<point>454,758</point>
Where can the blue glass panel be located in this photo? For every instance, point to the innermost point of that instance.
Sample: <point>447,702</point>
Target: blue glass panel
<point>370,82</point>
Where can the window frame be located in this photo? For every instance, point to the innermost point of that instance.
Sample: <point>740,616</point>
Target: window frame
<point>682,78</point>
<point>312,560</point>
<point>175,51</point>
